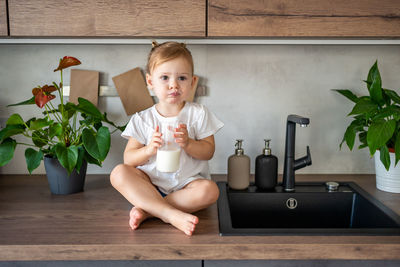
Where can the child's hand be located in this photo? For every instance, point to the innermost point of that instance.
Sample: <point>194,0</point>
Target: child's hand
<point>156,142</point>
<point>181,135</point>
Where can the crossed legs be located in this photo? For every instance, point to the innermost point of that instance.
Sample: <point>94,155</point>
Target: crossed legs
<point>175,208</point>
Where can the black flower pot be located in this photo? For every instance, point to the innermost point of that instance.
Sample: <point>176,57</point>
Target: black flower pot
<point>59,181</point>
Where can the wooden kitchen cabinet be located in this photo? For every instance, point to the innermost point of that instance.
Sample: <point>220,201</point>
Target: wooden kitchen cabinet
<point>3,18</point>
<point>117,18</point>
<point>304,18</point>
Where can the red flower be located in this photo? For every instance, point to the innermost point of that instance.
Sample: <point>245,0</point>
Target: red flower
<point>43,95</point>
<point>67,62</point>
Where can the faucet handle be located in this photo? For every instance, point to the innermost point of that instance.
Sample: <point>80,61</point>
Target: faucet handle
<point>309,161</point>
<point>304,161</point>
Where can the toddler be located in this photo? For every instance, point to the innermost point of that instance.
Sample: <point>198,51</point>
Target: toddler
<point>172,197</point>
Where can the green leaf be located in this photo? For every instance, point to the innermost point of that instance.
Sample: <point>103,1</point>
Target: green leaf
<point>397,148</point>
<point>350,136</point>
<point>91,160</point>
<point>11,130</point>
<point>385,157</point>
<point>70,108</point>
<point>87,107</point>
<point>386,98</point>
<point>367,82</point>
<point>362,146</point>
<point>7,148</point>
<point>371,73</point>
<point>379,133</point>
<point>392,111</point>
<point>79,162</point>
<point>28,122</point>
<point>33,159</point>
<point>55,130</point>
<point>97,144</point>
<point>26,102</point>
<point>363,139</point>
<point>67,156</point>
<point>375,89</point>
<point>39,124</point>
<point>364,106</point>
<point>351,131</point>
<point>98,125</point>
<point>347,93</point>
<point>15,119</point>
<point>39,138</point>
<point>393,95</point>
<point>51,111</point>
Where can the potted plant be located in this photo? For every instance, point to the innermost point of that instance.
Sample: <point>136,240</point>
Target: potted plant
<point>376,121</point>
<point>67,137</point>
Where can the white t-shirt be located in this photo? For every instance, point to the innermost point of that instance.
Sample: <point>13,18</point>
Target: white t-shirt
<point>200,123</point>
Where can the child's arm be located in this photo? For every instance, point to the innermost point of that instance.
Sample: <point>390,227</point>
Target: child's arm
<point>202,149</point>
<point>137,154</point>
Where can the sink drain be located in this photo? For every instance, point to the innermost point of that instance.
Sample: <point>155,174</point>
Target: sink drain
<point>291,203</point>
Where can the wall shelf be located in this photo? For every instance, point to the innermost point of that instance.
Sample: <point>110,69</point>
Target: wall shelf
<point>202,41</point>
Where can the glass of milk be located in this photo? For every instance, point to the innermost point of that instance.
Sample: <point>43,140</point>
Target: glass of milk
<point>168,155</point>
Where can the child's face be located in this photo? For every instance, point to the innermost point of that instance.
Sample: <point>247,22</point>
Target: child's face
<point>171,81</point>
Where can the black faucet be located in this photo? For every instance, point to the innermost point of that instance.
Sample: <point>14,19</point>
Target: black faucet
<point>290,163</point>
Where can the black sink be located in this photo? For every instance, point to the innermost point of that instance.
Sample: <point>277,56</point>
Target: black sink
<point>310,209</point>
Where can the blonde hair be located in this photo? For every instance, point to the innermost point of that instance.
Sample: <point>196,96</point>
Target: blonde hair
<point>164,52</point>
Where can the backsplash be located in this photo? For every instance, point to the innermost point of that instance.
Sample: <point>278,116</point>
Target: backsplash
<point>251,88</point>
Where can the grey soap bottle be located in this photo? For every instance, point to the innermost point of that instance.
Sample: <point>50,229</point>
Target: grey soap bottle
<point>266,170</point>
<point>238,168</point>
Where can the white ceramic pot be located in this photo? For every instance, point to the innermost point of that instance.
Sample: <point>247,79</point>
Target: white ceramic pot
<point>388,181</point>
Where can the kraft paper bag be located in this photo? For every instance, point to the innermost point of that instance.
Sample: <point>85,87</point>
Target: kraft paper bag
<point>132,90</point>
<point>84,83</point>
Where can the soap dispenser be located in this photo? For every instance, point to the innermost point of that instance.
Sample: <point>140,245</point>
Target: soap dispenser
<point>238,168</point>
<point>266,171</point>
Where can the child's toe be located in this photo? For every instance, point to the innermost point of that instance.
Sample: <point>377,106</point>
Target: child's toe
<point>194,219</point>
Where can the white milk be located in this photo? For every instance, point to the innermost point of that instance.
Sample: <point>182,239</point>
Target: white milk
<point>168,160</point>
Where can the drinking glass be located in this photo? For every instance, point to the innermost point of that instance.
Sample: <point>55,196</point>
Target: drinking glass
<point>168,155</point>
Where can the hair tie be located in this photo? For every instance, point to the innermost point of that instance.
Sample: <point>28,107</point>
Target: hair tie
<point>183,45</point>
<point>154,43</point>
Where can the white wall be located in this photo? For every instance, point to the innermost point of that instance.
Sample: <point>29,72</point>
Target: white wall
<point>251,88</point>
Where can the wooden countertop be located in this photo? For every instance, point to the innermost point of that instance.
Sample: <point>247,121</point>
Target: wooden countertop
<point>93,225</point>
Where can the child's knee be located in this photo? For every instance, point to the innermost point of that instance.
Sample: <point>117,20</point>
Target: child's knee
<point>122,172</point>
<point>210,192</point>
<point>116,174</point>
<point>119,174</point>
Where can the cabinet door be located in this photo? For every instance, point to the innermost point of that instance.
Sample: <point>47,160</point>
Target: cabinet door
<point>3,18</point>
<point>304,18</point>
<point>131,18</point>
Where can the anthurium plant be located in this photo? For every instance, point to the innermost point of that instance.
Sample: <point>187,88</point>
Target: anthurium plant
<point>61,133</point>
<point>376,118</point>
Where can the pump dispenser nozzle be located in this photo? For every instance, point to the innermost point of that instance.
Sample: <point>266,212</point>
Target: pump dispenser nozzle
<point>239,150</point>
<point>267,150</point>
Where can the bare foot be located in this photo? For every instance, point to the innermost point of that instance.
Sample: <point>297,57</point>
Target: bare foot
<point>136,217</point>
<point>185,222</point>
